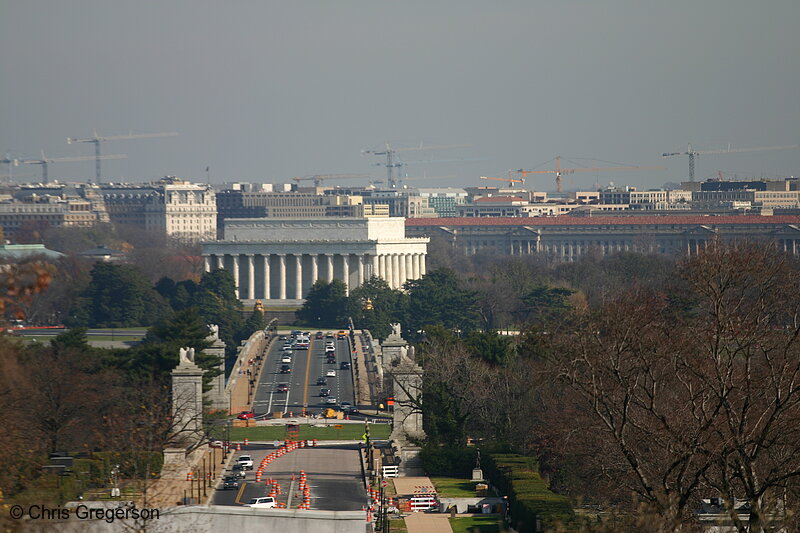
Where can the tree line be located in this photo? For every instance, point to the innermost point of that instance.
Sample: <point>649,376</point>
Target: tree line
<point>640,398</point>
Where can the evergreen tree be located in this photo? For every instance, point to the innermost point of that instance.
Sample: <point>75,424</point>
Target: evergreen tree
<point>157,355</point>
<point>254,323</point>
<point>374,306</point>
<point>117,296</point>
<point>216,301</point>
<point>439,298</point>
<point>325,305</point>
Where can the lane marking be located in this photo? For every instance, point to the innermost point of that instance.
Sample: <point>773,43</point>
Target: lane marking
<point>308,369</point>
<point>239,494</point>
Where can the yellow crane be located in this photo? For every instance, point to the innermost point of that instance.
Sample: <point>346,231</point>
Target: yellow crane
<point>511,181</point>
<point>694,153</point>
<point>96,140</point>
<point>559,171</point>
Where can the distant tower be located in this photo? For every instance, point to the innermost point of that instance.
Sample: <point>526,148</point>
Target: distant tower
<point>216,394</point>
<point>187,400</point>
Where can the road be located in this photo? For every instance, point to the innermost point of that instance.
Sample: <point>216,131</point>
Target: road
<point>333,475</point>
<point>306,367</point>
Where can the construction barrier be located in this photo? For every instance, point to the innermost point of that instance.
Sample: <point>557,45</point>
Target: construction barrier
<point>390,471</point>
<point>423,502</point>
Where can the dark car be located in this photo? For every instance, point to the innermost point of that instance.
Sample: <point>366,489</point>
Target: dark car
<point>283,337</point>
<point>319,335</point>
<point>230,482</point>
<point>344,365</point>
<point>285,369</point>
<point>282,387</point>
<point>322,381</point>
<point>324,392</point>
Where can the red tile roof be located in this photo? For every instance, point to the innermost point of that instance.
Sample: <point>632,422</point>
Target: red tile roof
<point>566,220</point>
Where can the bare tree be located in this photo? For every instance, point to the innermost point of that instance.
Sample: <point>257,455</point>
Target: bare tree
<point>696,389</point>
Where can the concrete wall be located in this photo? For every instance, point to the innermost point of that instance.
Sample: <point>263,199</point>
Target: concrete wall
<point>216,519</point>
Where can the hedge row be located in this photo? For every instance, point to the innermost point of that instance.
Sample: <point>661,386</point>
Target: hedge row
<point>528,494</point>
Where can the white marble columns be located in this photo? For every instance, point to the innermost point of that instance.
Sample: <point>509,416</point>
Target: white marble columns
<point>281,276</point>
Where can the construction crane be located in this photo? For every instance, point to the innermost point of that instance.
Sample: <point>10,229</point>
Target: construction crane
<point>511,181</point>
<point>559,171</point>
<point>694,153</point>
<point>44,161</point>
<point>96,139</point>
<point>319,178</point>
<point>10,162</point>
<point>392,162</point>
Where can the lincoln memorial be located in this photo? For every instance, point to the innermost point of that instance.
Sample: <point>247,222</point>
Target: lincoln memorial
<point>279,260</point>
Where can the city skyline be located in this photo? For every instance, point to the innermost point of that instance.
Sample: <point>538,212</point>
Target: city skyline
<point>263,92</point>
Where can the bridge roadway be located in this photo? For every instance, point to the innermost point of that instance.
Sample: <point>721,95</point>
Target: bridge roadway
<point>333,474</point>
<point>306,367</point>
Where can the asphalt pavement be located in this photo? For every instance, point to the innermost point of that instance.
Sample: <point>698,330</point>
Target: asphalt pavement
<point>333,475</point>
<point>303,391</point>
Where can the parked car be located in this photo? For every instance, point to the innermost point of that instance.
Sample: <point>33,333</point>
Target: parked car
<point>216,444</point>
<point>322,381</point>
<point>246,415</point>
<point>230,482</point>
<point>283,337</point>
<point>246,461</point>
<point>285,369</point>
<point>267,502</point>
<point>331,373</point>
<point>282,387</point>
<point>324,392</point>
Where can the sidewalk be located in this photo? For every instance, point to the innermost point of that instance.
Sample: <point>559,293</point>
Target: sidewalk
<point>428,523</point>
<point>239,399</point>
<point>363,393</point>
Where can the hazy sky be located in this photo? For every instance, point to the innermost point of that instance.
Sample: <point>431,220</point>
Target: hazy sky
<point>266,90</point>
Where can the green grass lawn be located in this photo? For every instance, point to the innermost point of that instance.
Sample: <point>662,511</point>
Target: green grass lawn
<point>348,432</point>
<point>477,524</point>
<point>397,526</point>
<point>451,487</point>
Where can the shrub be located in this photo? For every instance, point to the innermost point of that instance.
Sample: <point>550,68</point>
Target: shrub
<point>528,494</point>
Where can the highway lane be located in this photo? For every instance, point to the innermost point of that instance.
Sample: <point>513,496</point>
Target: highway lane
<point>333,475</point>
<point>306,367</point>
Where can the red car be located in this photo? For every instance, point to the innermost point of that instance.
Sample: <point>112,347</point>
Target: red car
<point>244,415</point>
<point>283,387</point>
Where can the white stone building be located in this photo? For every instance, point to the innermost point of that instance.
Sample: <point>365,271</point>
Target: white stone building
<point>278,260</point>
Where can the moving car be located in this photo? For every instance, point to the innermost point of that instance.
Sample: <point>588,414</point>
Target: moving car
<point>344,365</point>
<point>331,400</point>
<point>331,373</point>
<point>266,502</point>
<point>215,444</point>
<point>230,482</point>
<point>286,359</point>
<point>246,415</point>
<point>319,335</point>
<point>282,387</point>
<point>322,381</point>
<point>324,392</point>
<point>285,369</point>
<point>246,461</point>
<point>237,471</point>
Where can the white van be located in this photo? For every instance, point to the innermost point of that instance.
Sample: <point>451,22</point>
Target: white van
<point>263,503</point>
